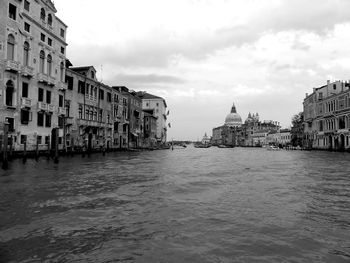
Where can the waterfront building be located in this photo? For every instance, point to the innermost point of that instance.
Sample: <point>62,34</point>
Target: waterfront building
<point>135,114</point>
<point>280,138</point>
<point>256,131</point>
<point>327,117</point>
<point>32,69</point>
<point>88,116</point>
<point>120,118</point>
<point>150,129</point>
<point>158,104</point>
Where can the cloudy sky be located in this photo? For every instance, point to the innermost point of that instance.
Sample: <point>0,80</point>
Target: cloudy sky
<point>203,55</point>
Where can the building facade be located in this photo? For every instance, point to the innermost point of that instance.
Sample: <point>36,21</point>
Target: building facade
<point>159,107</point>
<point>327,117</point>
<point>32,69</point>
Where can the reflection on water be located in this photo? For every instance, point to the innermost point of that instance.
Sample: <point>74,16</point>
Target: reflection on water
<point>191,205</point>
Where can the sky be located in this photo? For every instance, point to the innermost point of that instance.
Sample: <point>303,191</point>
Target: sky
<point>203,55</point>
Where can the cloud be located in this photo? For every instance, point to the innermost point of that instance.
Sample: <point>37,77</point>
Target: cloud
<point>146,79</point>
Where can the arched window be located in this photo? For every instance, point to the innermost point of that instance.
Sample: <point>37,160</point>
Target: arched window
<point>49,19</point>
<point>42,14</point>
<point>9,93</point>
<point>42,61</point>
<point>62,71</point>
<point>49,65</point>
<point>11,47</point>
<point>26,54</point>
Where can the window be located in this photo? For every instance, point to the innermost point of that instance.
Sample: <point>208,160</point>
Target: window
<point>48,97</point>
<point>12,11</point>
<point>81,88</point>
<point>49,19</point>
<point>157,104</point>
<point>62,50</point>
<point>47,120</point>
<point>49,65</point>
<point>42,14</point>
<point>80,111</point>
<point>60,122</point>
<point>24,90</point>
<point>9,93</point>
<point>26,54</point>
<point>40,95</point>
<point>23,139</point>
<point>42,61</point>
<point>11,122</point>
<point>11,47</point>
<point>62,71</point>
<point>40,119</point>
<point>42,37</point>
<point>109,97</point>
<point>26,27</point>
<point>62,32</point>
<point>108,118</point>
<point>26,5</point>
<point>101,93</point>
<point>100,115</point>
<point>25,116</point>
<point>92,73</point>
<point>38,139</point>
<point>334,86</point>
<point>60,101</point>
<point>69,81</point>
<point>47,139</point>
<point>49,41</point>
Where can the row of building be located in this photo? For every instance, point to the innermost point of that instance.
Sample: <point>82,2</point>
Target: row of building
<point>251,133</point>
<point>42,94</point>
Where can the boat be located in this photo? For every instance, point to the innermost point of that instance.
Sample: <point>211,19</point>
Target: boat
<point>201,145</point>
<point>273,148</point>
<point>225,146</point>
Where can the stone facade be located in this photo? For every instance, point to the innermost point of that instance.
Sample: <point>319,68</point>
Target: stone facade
<point>159,107</point>
<point>32,69</point>
<point>327,117</point>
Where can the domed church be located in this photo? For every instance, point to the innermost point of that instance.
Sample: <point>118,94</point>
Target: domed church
<point>233,119</point>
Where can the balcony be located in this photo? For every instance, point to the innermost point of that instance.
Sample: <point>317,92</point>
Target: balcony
<point>12,65</point>
<point>27,71</point>
<point>61,111</point>
<point>90,123</point>
<point>26,103</point>
<point>43,78</point>
<point>62,86</point>
<point>42,106</point>
<point>50,107</point>
<point>69,121</point>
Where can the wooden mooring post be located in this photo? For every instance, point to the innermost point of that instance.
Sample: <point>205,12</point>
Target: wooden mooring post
<point>5,164</point>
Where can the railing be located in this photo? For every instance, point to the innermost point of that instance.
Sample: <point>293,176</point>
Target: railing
<point>69,121</point>
<point>61,111</point>
<point>46,79</point>
<point>42,106</point>
<point>12,65</point>
<point>27,71</point>
<point>50,107</point>
<point>62,86</point>
<point>26,102</point>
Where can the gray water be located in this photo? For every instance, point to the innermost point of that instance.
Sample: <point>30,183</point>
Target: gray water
<point>186,205</point>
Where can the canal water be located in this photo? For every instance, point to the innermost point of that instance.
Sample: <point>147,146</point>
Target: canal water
<point>186,205</point>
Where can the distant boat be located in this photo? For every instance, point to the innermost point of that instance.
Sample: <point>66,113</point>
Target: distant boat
<point>225,146</point>
<point>272,148</point>
<point>201,145</point>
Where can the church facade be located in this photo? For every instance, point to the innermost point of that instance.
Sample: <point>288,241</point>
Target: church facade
<point>252,132</point>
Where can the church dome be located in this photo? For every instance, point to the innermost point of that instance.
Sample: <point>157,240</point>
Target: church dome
<point>233,119</point>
